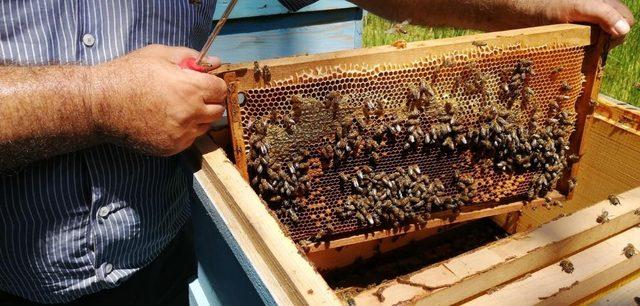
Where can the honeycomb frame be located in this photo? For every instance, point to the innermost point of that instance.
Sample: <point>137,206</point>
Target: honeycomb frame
<point>293,74</point>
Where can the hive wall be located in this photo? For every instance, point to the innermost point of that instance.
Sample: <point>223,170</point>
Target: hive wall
<point>471,83</point>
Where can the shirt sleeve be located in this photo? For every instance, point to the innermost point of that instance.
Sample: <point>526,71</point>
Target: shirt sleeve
<point>294,5</point>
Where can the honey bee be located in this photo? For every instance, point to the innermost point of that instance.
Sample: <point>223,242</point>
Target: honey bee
<point>296,106</point>
<point>479,43</point>
<point>327,152</point>
<point>504,87</point>
<point>333,101</point>
<point>528,93</point>
<point>400,44</point>
<point>613,199</point>
<point>414,91</point>
<point>573,158</point>
<point>448,143</point>
<point>293,216</point>
<point>461,139</point>
<point>603,217</point>
<point>567,266</point>
<point>257,73</point>
<point>557,69</point>
<point>629,250</point>
<point>343,178</point>
<point>320,234</point>
<point>398,28</point>
<point>305,244</point>
<point>330,228</point>
<point>438,184</point>
<point>375,158</point>
<point>557,203</point>
<point>369,218</point>
<point>573,182</point>
<point>447,62</point>
<point>266,73</point>
<point>565,86</point>
<point>355,183</point>
<point>531,194</point>
<point>360,125</point>
<point>426,88</point>
<point>289,123</point>
<point>380,108</point>
<point>427,139</point>
<point>351,302</point>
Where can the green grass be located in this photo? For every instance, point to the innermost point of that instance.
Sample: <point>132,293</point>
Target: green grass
<point>623,65</point>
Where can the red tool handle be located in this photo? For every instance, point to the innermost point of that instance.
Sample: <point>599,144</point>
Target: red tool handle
<point>190,63</point>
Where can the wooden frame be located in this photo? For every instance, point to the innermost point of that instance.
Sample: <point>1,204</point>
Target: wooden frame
<point>240,78</point>
<point>594,268</point>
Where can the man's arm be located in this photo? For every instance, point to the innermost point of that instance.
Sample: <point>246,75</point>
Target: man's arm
<point>43,112</point>
<point>492,15</point>
<point>143,100</point>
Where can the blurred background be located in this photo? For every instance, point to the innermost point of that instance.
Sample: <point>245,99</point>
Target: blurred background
<point>622,74</point>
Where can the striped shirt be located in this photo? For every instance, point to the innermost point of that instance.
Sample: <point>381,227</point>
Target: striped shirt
<point>85,221</point>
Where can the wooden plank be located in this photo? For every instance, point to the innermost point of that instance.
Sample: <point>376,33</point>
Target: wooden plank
<point>330,259</point>
<point>622,294</point>
<point>235,124</point>
<point>564,34</point>
<point>592,68</point>
<point>437,220</point>
<point>594,268</point>
<point>508,222</point>
<point>623,115</point>
<point>287,275</point>
<point>475,272</point>
<point>256,8</point>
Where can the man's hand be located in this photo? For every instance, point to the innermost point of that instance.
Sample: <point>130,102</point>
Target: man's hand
<point>612,15</point>
<point>146,101</point>
<point>143,100</point>
<point>493,15</point>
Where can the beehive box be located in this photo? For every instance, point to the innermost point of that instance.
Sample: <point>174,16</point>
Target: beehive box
<point>358,145</point>
<point>520,269</point>
<point>286,273</point>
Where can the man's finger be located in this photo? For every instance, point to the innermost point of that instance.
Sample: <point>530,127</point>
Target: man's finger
<point>603,14</point>
<point>214,88</point>
<point>212,61</point>
<point>178,54</point>
<point>211,112</point>
<point>203,128</point>
<point>623,10</point>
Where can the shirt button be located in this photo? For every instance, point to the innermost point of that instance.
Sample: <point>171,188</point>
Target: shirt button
<point>108,268</point>
<point>103,212</point>
<point>88,40</point>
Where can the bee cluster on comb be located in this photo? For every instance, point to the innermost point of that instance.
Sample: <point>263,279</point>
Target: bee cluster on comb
<point>352,149</point>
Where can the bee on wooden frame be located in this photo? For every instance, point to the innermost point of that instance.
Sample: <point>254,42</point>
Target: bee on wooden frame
<point>266,73</point>
<point>603,217</point>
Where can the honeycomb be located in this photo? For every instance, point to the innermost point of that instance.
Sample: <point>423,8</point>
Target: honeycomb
<point>301,117</point>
